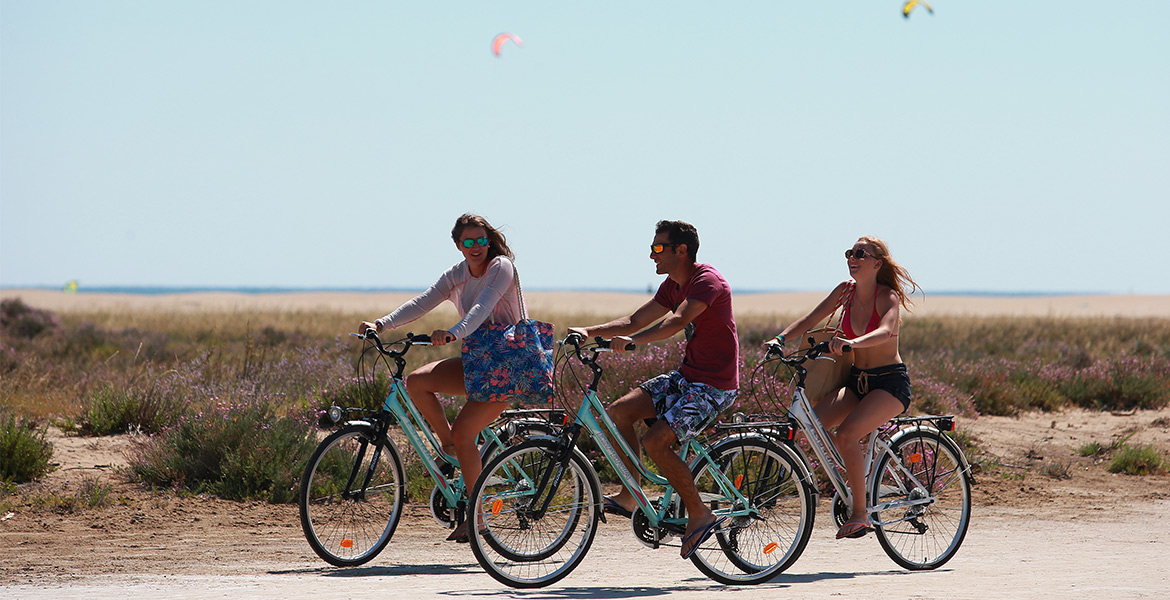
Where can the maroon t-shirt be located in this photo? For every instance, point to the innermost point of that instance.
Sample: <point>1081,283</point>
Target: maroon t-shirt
<point>712,351</point>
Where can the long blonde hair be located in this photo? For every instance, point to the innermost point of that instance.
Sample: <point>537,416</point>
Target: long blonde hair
<point>891,274</point>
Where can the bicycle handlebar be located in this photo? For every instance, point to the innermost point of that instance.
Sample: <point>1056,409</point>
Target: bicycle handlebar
<point>410,340</point>
<point>603,345</point>
<point>776,351</point>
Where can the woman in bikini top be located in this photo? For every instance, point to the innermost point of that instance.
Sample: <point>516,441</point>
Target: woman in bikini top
<point>878,388</point>
<point>847,320</point>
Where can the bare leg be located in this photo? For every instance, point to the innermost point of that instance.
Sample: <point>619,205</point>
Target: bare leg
<point>443,377</point>
<point>471,420</point>
<point>659,443</point>
<point>635,406</point>
<point>875,408</point>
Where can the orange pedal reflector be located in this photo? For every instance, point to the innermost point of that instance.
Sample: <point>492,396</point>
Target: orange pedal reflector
<point>738,481</point>
<point>915,458</point>
<point>770,548</point>
<point>497,504</point>
<point>347,543</point>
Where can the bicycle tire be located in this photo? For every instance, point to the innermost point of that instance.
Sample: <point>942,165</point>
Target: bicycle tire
<point>519,545</point>
<point>539,553</point>
<point>348,528</point>
<point>515,432</point>
<point>926,536</point>
<point>753,549</point>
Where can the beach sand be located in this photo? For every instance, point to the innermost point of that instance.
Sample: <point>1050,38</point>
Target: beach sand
<point>597,303</point>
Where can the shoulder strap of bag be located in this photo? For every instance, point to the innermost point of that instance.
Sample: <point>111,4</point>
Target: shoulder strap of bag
<point>519,293</point>
<point>839,311</point>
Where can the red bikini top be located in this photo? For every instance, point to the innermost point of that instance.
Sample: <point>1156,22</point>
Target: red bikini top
<point>847,321</point>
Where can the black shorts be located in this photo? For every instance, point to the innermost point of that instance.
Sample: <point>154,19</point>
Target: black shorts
<point>891,378</point>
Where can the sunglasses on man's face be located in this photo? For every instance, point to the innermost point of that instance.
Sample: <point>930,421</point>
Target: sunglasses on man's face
<point>658,248</point>
<point>471,242</point>
<point>859,253</point>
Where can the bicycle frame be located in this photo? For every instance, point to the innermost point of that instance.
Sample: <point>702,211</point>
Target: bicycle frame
<point>593,418</point>
<point>802,415</point>
<point>400,408</point>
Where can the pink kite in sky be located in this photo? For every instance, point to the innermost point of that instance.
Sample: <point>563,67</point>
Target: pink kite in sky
<point>498,41</point>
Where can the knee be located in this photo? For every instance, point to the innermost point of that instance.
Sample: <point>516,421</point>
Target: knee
<point>417,384</point>
<point>619,412</point>
<point>462,433</point>
<point>658,440</point>
<point>848,434</point>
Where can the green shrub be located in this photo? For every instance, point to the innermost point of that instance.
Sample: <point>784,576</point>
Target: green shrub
<point>117,410</point>
<point>20,320</point>
<point>238,452</point>
<point>1143,460</point>
<point>91,493</point>
<point>24,452</point>
<point>1091,449</point>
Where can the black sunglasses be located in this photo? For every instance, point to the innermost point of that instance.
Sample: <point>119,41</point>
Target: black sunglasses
<point>469,242</point>
<point>658,248</point>
<point>859,253</point>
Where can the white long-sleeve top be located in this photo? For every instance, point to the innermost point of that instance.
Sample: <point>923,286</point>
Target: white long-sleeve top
<point>492,295</point>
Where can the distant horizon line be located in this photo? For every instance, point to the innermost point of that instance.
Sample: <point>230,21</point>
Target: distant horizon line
<point>158,290</point>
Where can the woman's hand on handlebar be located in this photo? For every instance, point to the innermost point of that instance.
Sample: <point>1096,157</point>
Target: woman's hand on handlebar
<point>441,337</point>
<point>839,345</point>
<point>367,325</point>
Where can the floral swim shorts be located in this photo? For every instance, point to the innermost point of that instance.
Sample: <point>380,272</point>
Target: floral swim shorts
<point>687,407</point>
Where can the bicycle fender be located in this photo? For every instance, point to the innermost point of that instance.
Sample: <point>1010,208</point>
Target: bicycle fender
<point>917,428</point>
<point>785,446</point>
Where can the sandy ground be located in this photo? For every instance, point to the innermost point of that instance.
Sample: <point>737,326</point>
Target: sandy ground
<point>1079,532</point>
<point>1089,534</point>
<point>603,303</point>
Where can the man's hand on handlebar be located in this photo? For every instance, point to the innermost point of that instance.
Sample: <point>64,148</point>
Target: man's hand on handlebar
<point>621,343</point>
<point>367,325</point>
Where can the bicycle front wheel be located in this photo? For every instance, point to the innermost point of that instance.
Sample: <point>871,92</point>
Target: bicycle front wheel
<point>534,516</point>
<point>351,496</point>
<point>769,527</point>
<point>922,500</point>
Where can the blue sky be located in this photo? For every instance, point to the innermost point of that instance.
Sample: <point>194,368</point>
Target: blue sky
<point>997,146</point>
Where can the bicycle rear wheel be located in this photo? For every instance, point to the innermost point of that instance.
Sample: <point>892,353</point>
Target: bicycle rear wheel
<point>924,535</point>
<point>351,496</point>
<point>772,529</point>
<point>534,517</point>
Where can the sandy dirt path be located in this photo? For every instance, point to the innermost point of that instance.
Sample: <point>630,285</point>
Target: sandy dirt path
<point>1007,554</point>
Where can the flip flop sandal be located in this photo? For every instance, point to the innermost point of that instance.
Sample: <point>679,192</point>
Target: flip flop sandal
<point>702,534</point>
<point>862,529</point>
<point>614,508</point>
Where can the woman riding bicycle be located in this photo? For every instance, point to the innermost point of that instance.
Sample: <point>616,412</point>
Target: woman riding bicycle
<point>878,387</point>
<point>483,287</point>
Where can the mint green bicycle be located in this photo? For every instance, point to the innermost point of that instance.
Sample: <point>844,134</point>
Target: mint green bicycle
<point>536,506</point>
<point>354,486</point>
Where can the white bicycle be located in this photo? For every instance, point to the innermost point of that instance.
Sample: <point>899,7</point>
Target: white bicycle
<point>918,481</point>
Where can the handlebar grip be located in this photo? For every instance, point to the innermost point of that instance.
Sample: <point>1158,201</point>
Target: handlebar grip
<point>847,348</point>
<point>604,343</point>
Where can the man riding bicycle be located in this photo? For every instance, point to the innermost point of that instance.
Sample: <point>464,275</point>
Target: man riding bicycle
<point>694,297</point>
